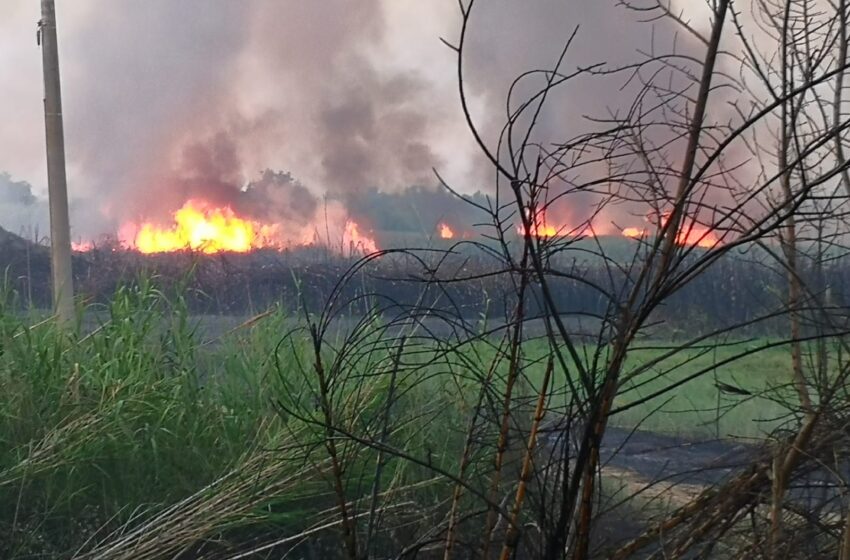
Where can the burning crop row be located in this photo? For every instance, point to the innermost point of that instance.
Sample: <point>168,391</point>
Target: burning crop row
<point>203,227</point>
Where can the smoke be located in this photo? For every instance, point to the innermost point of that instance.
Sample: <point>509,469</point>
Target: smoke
<point>210,169</point>
<point>21,211</point>
<point>507,39</point>
<point>373,133</point>
<point>166,101</point>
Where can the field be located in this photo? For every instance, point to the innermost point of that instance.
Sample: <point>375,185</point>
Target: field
<point>146,435</point>
<point>701,408</point>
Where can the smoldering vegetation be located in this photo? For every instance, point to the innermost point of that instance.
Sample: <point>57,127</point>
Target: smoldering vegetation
<point>740,289</point>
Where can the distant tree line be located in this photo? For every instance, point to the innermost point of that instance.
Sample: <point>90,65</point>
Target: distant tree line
<point>416,209</point>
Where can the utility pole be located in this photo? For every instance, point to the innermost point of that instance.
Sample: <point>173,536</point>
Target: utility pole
<point>60,229</point>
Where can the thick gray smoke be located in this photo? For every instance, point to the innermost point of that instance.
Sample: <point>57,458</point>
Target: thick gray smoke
<point>210,170</point>
<point>21,212</point>
<point>170,100</point>
<point>509,38</point>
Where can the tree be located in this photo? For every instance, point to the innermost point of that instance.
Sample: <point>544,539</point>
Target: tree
<point>687,151</point>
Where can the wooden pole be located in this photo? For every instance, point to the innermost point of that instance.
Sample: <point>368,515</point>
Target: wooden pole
<point>60,230</point>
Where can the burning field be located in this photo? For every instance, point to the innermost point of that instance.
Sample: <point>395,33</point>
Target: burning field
<point>411,279</point>
<point>214,215</point>
<point>201,227</point>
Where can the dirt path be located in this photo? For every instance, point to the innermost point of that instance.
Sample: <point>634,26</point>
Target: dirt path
<point>661,458</point>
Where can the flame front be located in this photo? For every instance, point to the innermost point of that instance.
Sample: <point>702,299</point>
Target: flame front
<point>539,227</point>
<point>446,232</point>
<point>692,234</point>
<point>200,227</point>
<point>699,236</point>
<point>356,242</point>
<point>689,234</point>
<point>633,232</point>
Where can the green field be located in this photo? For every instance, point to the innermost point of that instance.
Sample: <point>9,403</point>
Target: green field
<point>699,407</point>
<point>102,430</point>
<point>703,406</point>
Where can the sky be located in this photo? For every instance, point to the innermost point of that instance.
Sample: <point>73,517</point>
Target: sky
<point>165,99</point>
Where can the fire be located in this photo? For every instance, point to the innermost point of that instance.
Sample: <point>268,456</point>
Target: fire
<point>691,234</point>
<point>697,235</point>
<point>201,227</point>
<point>633,232</point>
<point>446,232</point>
<point>539,227</point>
<point>543,231</point>
<point>356,242</point>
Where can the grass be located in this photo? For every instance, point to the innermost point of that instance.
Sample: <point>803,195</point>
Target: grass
<point>708,406</point>
<point>140,439</point>
<point>704,406</point>
<point>111,422</point>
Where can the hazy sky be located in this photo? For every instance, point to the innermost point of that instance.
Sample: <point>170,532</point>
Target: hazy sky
<point>343,94</point>
<point>186,53</point>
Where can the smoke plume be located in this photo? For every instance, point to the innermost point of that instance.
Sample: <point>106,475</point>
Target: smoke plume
<point>167,100</point>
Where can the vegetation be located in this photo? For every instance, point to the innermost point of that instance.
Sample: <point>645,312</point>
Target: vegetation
<point>479,404</point>
<point>141,436</point>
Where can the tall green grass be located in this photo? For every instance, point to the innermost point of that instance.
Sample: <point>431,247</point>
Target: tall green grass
<point>140,438</point>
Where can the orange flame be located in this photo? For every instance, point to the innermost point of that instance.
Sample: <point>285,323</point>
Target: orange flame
<point>446,232</point>
<point>690,234</point>
<point>697,235</point>
<point>200,227</point>
<point>356,242</point>
<point>633,232</point>
<point>539,227</point>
